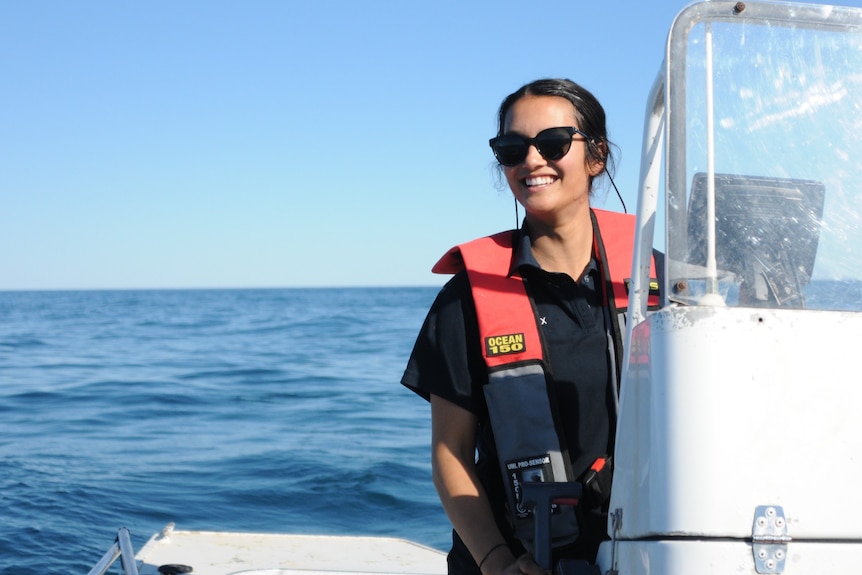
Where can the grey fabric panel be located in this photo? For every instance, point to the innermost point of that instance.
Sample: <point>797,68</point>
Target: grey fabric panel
<point>527,444</point>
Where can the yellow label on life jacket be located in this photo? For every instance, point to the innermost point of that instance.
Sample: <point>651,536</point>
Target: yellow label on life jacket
<point>504,344</point>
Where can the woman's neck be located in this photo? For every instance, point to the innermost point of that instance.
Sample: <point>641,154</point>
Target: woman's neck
<point>563,246</point>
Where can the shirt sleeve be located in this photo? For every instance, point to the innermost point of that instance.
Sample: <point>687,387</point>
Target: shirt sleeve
<point>447,357</point>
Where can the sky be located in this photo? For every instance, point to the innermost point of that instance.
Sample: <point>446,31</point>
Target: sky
<point>279,143</point>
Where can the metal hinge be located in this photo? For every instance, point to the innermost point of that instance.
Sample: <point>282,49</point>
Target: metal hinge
<point>769,539</point>
<point>617,525</point>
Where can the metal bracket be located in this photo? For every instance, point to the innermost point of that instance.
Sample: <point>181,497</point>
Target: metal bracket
<point>769,539</point>
<point>617,523</point>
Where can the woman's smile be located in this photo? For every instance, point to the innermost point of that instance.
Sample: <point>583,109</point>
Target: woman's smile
<point>539,181</point>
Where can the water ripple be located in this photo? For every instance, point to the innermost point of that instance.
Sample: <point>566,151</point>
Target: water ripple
<point>249,410</point>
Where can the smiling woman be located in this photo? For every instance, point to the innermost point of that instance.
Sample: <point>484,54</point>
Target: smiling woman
<point>519,355</point>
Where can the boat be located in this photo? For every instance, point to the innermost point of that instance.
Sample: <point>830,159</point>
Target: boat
<point>739,442</point>
<point>173,551</point>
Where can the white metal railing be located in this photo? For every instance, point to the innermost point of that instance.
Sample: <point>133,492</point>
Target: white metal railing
<point>122,549</point>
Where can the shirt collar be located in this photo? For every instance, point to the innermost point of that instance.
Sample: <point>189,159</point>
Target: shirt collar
<point>522,255</point>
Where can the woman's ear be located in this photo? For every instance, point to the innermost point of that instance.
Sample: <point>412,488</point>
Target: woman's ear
<point>598,153</point>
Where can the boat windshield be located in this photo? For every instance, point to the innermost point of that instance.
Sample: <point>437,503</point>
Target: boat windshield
<point>764,179</point>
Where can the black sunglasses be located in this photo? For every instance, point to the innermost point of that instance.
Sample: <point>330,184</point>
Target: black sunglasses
<point>553,143</point>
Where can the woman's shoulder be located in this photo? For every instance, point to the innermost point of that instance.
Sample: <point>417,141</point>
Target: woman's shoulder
<point>446,358</point>
<point>455,290</point>
<point>453,309</point>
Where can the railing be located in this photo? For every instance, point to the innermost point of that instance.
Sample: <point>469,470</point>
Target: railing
<point>122,549</point>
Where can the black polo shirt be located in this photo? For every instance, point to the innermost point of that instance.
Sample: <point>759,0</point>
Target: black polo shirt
<point>447,361</point>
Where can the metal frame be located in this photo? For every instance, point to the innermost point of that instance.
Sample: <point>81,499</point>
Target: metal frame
<point>122,549</point>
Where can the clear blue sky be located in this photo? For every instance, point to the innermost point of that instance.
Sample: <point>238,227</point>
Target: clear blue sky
<point>180,144</point>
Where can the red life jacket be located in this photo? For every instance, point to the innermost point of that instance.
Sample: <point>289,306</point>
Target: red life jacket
<point>522,413</point>
<point>488,261</point>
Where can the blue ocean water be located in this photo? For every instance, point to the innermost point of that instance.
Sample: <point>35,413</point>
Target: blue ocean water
<point>245,410</point>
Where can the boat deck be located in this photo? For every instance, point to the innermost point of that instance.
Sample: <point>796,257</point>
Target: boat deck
<point>222,553</point>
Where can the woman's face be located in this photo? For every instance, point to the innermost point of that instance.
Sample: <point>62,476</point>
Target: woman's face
<point>549,190</point>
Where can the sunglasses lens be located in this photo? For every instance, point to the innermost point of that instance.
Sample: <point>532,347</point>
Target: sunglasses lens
<point>510,150</point>
<point>554,143</point>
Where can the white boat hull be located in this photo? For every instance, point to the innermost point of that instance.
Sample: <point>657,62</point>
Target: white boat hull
<point>223,553</point>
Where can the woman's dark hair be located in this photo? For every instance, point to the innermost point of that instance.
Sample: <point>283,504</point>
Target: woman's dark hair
<point>589,114</point>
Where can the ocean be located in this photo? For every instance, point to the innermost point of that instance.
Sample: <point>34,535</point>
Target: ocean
<point>275,410</point>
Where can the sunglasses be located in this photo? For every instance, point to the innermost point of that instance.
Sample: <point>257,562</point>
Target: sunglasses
<point>553,143</point>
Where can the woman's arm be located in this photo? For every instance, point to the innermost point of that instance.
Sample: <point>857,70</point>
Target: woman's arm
<point>453,447</point>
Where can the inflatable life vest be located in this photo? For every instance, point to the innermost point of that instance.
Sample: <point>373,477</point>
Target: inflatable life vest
<point>519,392</point>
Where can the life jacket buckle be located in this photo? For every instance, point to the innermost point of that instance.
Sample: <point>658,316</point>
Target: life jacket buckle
<point>597,482</point>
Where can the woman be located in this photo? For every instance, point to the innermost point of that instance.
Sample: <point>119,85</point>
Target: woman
<point>551,144</point>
